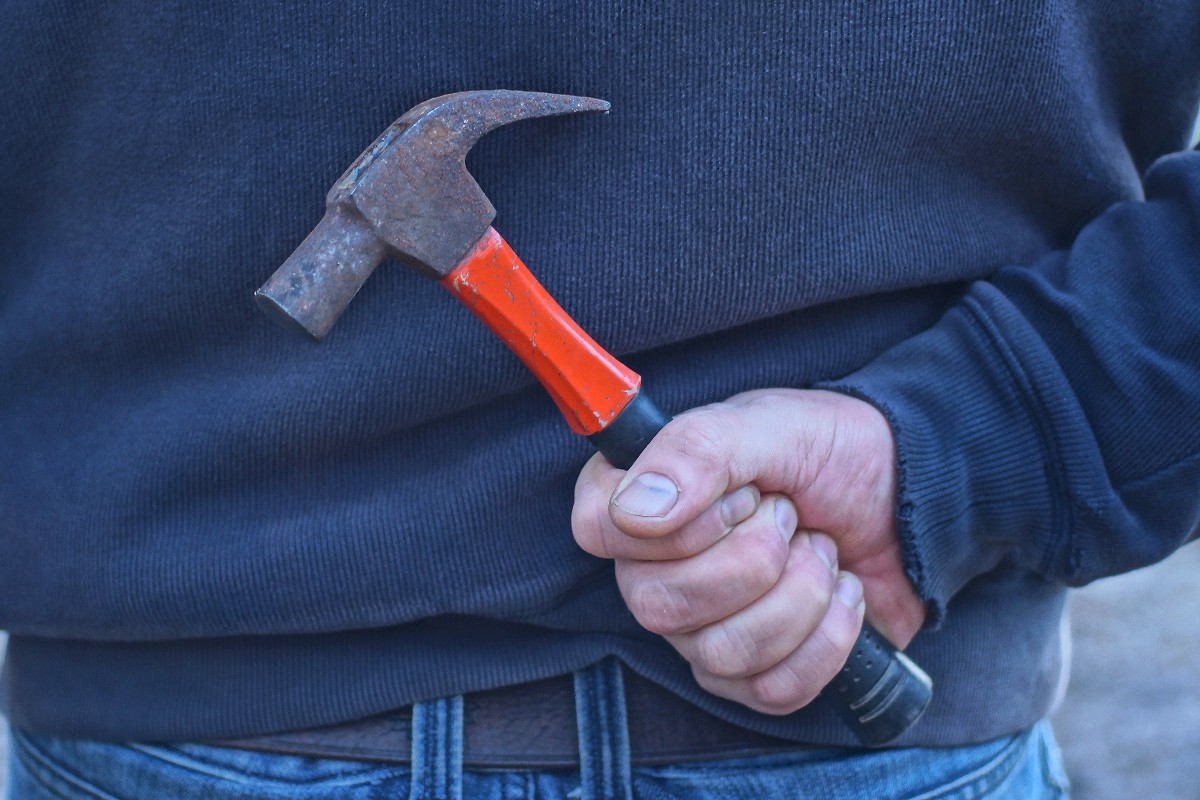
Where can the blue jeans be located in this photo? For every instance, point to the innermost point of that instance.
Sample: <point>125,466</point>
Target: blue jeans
<point>1022,767</point>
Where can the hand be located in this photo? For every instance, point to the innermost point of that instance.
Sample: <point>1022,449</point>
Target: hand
<point>748,534</point>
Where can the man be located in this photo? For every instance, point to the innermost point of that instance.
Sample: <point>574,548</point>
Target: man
<point>969,227</point>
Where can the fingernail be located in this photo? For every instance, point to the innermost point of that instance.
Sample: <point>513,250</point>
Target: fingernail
<point>739,506</point>
<point>849,592</point>
<point>649,495</point>
<point>826,550</point>
<point>785,518</point>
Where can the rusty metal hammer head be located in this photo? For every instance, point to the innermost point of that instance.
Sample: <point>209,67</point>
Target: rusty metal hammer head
<point>408,197</point>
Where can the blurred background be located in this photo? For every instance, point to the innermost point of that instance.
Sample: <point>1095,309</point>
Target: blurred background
<point>1130,724</point>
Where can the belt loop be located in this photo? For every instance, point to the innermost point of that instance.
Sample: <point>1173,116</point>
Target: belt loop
<point>604,769</point>
<point>437,750</point>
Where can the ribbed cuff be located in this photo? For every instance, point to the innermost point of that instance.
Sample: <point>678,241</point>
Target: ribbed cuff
<point>975,467</point>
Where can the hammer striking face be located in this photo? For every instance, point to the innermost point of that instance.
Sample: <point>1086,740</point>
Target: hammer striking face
<point>408,197</point>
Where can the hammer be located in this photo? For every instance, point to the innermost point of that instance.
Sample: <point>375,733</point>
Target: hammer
<point>409,198</point>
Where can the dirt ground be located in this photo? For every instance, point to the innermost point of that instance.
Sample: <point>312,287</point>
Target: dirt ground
<point>1130,724</point>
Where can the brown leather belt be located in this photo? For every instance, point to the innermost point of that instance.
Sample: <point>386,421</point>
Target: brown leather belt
<point>532,726</point>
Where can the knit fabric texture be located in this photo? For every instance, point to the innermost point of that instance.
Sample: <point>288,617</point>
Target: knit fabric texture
<point>966,213</point>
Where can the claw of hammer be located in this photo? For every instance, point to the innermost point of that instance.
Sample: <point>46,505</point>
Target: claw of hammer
<point>408,197</point>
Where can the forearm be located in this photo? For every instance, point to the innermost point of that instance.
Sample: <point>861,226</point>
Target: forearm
<point>1051,412</point>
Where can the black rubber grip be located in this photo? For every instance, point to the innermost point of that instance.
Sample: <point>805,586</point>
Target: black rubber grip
<point>624,439</point>
<point>880,692</point>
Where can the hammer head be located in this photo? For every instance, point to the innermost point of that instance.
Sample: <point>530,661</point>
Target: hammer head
<point>408,197</point>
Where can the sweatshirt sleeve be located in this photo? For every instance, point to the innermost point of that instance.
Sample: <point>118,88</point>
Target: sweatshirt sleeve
<point>1053,414</point>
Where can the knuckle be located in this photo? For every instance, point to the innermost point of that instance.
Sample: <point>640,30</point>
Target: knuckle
<point>660,607</point>
<point>839,633</point>
<point>588,521</point>
<point>779,691</point>
<point>701,434</point>
<point>709,682</point>
<point>726,651</point>
<point>761,559</point>
<point>817,579</point>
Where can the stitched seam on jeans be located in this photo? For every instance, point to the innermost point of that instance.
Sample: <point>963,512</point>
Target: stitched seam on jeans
<point>47,765</point>
<point>198,766</point>
<point>985,778</point>
<point>1052,769</point>
<point>751,764</point>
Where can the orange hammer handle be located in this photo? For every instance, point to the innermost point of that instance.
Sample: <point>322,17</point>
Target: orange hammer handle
<point>588,384</point>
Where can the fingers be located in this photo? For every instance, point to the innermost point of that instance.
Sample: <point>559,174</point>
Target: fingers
<point>765,631</point>
<point>795,680</point>
<point>596,532</point>
<point>816,447</point>
<point>672,597</point>
<point>763,616</point>
<point>832,454</point>
<point>703,531</point>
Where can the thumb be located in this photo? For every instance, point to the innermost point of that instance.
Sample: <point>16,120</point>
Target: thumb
<point>692,462</point>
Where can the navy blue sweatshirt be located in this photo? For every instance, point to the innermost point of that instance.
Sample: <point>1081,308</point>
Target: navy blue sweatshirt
<point>968,213</point>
